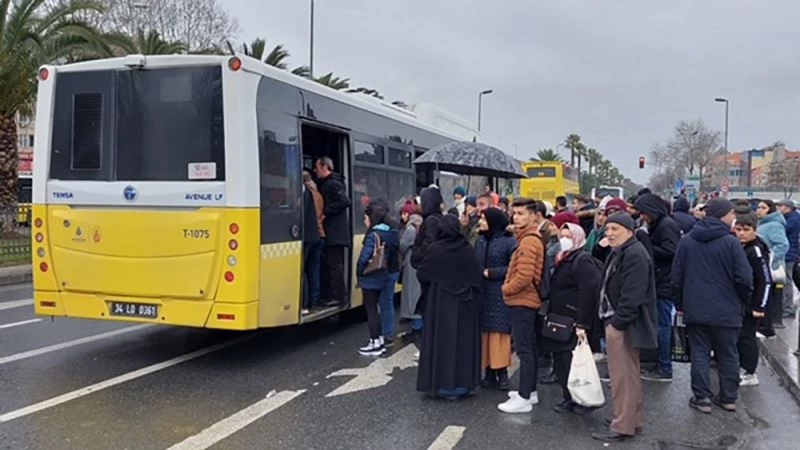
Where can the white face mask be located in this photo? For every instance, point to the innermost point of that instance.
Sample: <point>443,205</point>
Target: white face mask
<point>566,244</point>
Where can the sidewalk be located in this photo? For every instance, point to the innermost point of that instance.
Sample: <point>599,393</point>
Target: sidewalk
<point>779,351</point>
<point>15,275</point>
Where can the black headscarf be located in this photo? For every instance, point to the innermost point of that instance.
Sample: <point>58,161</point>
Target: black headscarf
<point>450,260</point>
<point>430,200</point>
<point>497,221</point>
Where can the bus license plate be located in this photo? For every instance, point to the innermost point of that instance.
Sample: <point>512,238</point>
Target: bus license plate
<point>134,310</point>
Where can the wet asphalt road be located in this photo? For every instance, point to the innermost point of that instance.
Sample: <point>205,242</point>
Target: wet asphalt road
<point>74,384</point>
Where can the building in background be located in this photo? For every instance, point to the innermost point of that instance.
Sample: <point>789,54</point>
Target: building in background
<point>25,134</point>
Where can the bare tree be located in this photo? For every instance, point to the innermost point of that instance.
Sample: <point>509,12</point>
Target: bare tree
<point>202,25</point>
<point>784,175</point>
<point>692,148</point>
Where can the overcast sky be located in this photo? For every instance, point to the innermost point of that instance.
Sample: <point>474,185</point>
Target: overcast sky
<point>619,73</point>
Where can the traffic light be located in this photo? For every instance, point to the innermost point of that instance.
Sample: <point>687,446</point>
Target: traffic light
<point>641,162</point>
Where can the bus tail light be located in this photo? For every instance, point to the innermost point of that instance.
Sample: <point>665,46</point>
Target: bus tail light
<point>222,316</point>
<point>228,276</point>
<point>38,222</point>
<point>232,261</point>
<point>47,304</point>
<point>235,63</point>
<point>39,237</point>
<point>43,266</point>
<point>44,73</point>
<point>234,228</point>
<point>40,252</point>
<point>232,244</point>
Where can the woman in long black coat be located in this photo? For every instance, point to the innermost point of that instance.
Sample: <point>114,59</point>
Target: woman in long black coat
<point>494,250</point>
<point>449,363</point>
<point>574,287</point>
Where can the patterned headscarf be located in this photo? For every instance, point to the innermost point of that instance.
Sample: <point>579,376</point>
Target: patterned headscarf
<point>578,240</point>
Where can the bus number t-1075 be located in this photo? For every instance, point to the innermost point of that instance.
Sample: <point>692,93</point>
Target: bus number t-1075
<point>196,234</point>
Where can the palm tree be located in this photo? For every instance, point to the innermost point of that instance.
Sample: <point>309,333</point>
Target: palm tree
<point>276,57</point>
<point>548,154</point>
<point>32,33</point>
<point>363,90</point>
<point>593,157</point>
<point>573,143</point>
<point>150,43</point>
<point>334,82</point>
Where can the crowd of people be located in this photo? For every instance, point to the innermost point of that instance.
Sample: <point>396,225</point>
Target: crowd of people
<point>486,278</point>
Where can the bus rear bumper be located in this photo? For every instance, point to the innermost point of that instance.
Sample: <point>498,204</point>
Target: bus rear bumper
<point>177,312</point>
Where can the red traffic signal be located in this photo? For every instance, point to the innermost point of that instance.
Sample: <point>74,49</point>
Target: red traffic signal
<point>641,162</point>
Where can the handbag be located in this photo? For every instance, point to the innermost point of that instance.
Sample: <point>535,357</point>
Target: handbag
<point>558,328</point>
<point>377,263</point>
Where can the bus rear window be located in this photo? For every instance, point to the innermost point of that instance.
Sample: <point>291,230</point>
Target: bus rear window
<point>542,172</point>
<point>139,125</point>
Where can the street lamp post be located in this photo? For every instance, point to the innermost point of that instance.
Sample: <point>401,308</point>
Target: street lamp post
<point>727,104</point>
<point>311,44</point>
<point>480,104</point>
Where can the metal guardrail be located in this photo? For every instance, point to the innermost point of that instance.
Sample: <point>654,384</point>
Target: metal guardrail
<point>15,235</point>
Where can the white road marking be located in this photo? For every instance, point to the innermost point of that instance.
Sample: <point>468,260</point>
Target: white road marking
<point>448,438</point>
<point>17,324</point>
<point>118,380</point>
<point>68,344</point>
<point>15,304</point>
<point>230,425</point>
<point>377,374</point>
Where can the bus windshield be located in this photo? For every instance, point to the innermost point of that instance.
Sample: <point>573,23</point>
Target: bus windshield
<point>139,125</point>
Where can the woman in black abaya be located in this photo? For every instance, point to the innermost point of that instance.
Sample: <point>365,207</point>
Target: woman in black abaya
<point>450,358</point>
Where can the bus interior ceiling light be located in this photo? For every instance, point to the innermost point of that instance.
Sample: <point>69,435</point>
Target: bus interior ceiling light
<point>135,61</point>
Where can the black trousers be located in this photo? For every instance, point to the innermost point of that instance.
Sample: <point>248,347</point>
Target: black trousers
<point>703,339</point>
<point>371,299</point>
<point>561,364</point>
<point>748,344</point>
<point>523,325</point>
<point>334,260</point>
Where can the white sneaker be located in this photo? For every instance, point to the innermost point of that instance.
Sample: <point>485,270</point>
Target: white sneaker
<point>517,405</point>
<point>749,379</point>
<point>512,394</point>
<point>373,348</point>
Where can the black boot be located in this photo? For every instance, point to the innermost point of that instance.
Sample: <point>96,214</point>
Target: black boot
<point>489,379</point>
<point>502,380</point>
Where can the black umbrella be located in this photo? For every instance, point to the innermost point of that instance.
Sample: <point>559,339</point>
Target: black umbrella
<point>472,158</point>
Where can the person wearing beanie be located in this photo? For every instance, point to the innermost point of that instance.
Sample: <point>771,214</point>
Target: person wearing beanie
<point>628,310</point>
<point>664,233</point>
<point>459,195</point>
<point>469,221</point>
<point>789,211</point>
<point>565,217</point>
<point>680,212</point>
<point>712,280</point>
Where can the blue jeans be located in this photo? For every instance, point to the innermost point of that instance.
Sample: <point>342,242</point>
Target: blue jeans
<point>313,266</point>
<point>665,336</point>
<point>387,306</point>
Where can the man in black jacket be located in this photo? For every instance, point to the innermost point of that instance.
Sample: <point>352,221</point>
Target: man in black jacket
<point>713,282</point>
<point>665,233</point>
<point>628,309</point>
<point>337,231</point>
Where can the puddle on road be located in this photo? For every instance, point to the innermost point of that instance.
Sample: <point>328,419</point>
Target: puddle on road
<point>724,442</point>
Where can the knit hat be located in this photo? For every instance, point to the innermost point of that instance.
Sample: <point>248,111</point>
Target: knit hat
<point>719,208</point>
<point>565,217</point>
<point>616,205</point>
<point>472,201</point>
<point>410,207</point>
<point>623,219</point>
<point>460,191</point>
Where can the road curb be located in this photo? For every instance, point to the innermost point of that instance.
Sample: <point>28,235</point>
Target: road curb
<point>781,357</point>
<point>15,275</point>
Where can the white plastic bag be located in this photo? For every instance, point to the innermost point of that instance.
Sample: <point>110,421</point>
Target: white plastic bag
<point>584,381</point>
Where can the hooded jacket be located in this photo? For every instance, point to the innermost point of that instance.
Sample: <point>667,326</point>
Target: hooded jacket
<point>680,212</point>
<point>665,233</point>
<point>390,238</point>
<point>793,233</point>
<point>711,275</point>
<point>772,228</point>
<point>337,232</point>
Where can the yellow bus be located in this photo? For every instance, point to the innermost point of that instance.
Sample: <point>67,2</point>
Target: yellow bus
<point>548,180</point>
<point>168,189</point>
